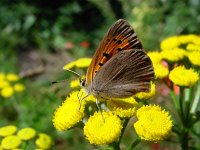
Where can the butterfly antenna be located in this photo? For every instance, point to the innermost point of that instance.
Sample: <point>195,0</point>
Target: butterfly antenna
<point>74,72</point>
<point>53,82</point>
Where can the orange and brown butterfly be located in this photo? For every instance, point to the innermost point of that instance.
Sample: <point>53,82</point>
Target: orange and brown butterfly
<point>120,67</point>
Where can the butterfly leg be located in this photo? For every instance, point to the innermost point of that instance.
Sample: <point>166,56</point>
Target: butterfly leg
<point>80,100</point>
<point>97,103</point>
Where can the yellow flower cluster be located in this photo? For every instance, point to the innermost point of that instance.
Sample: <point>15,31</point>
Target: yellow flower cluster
<point>177,41</point>
<point>79,63</point>
<point>9,85</point>
<point>174,51</point>
<point>102,127</point>
<point>13,139</point>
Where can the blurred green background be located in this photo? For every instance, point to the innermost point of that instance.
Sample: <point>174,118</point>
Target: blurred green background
<point>37,38</point>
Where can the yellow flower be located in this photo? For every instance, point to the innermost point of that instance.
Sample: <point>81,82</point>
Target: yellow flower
<point>155,56</point>
<point>170,42</point>
<point>160,71</point>
<point>184,39</point>
<point>75,84</point>
<point>193,47</point>
<point>80,63</point>
<point>19,87</point>
<point>147,95</point>
<point>70,65</point>
<point>123,108</point>
<point>173,55</point>
<point>26,133</point>
<point>194,57</point>
<point>183,77</point>
<point>2,76</point>
<point>7,92</point>
<point>196,40</point>
<point>44,141</point>
<point>101,132</point>
<point>3,83</point>
<point>69,113</point>
<point>83,62</point>
<point>12,77</point>
<point>7,130</point>
<point>154,124</point>
<point>10,142</point>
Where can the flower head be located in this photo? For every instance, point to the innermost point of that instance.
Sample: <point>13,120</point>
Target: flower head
<point>123,108</point>
<point>101,131</point>
<point>10,142</point>
<point>183,77</point>
<point>147,95</point>
<point>194,57</point>
<point>83,62</point>
<point>79,63</point>
<point>12,77</point>
<point>173,55</point>
<point>184,39</point>
<point>193,47</point>
<point>154,124</point>
<point>18,87</point>
<point>170,42</point>
<point>7,92</point>
<point>70,65</point>
<point>160,71</point>
<point>69,113</point>
<point>2,76</point>
<point>3,83</point>
<point>26,133</point>
<point>7,130</point>
<point>44,141</point>
<point>75,84</point>
<point>155,56</point>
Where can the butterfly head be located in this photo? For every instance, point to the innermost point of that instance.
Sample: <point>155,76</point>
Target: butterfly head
<point>82,82</point>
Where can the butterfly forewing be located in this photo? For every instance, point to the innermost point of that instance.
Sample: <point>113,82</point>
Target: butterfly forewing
<point>119,37</point>
<point>125,74</point>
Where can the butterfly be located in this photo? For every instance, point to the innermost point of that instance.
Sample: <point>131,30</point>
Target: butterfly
<point>120,68</point>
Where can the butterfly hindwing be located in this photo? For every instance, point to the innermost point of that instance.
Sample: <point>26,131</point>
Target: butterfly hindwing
<point>119,37</point>
<point>125,74</point>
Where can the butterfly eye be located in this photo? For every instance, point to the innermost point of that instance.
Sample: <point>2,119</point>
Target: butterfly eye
<point>83,83</point>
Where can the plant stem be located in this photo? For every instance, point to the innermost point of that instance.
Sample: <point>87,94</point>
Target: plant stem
<point>196,99</point>
<point>184,140</point>
<point>175,101</point>
<point>134,144</point>
<point>181,106</point>
<point>116,145</point>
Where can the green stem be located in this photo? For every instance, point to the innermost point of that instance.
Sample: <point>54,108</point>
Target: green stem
<point>175,101</point>
<point>196,99</point>
<point>134,144</point>
<point>184,140</point>
<point>116,145</point>
<point>123,129</point>
<point>184,109</point>
<point>188,102</point>
<point>181,105</point>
